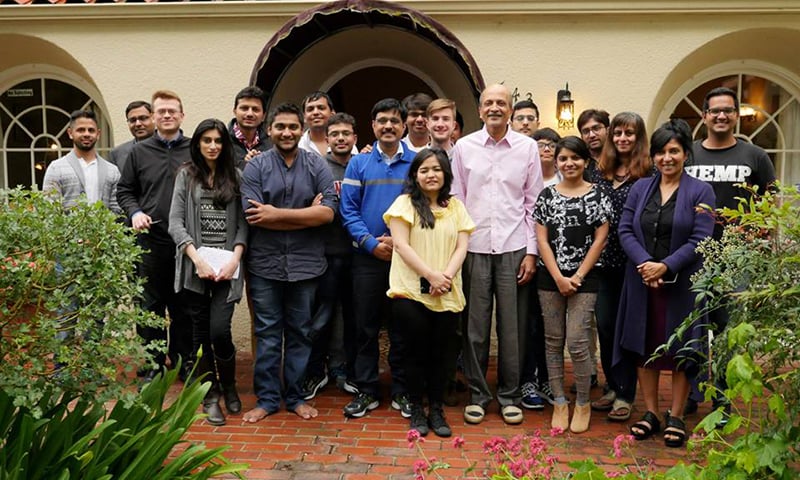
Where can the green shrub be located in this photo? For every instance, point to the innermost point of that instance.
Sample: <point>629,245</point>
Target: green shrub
<point>755,270</point>
<point>66,275</point>
<point>81,440</point>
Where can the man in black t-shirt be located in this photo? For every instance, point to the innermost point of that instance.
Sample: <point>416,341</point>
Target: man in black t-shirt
<point>724,161</point>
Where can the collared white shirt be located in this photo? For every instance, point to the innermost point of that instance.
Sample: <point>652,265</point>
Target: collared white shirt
<point>90,179</point>
<point>411,146</point>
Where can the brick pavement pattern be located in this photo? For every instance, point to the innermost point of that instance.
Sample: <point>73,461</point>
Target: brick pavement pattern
<point>332,447</point>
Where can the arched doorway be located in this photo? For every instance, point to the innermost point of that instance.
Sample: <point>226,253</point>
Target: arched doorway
<point>363,50</point>
<point>40,85</point>
<point>767,83</point>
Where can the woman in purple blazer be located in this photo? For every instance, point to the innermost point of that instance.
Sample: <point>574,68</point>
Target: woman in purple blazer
<point>661,224</point>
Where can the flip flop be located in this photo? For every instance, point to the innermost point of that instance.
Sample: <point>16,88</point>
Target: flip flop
<point>676,428</point>
<point>474,414</point>
<point>647,426</point>
<point>620,412</point>
<point>512,414</point>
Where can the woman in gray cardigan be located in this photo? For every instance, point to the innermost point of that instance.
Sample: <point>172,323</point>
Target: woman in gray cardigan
<point>206,215</point>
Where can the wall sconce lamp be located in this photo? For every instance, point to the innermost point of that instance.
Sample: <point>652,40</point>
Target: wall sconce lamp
<point>565,109</point>
<point>747,113</point>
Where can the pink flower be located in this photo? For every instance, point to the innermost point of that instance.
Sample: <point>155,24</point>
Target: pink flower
<point>458,442</point>
<point>420,467</point>
<point>556,431</point>
<point>413,436</point>
<point>619,442</point>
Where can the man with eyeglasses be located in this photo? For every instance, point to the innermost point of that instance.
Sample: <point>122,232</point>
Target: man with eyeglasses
<point>145,193</point>
<point>723,161</point>
<point>593,125</point>
<point>371,183</point>
<point>525,117</point>
<point>416,105</point>
<point>139,116</point>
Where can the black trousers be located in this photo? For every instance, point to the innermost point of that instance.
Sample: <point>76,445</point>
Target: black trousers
<point>157,268</point>
<point>370,307</point>
<point>430,340</point>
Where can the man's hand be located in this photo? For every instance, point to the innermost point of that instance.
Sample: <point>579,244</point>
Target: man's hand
<point>317,200</point>
<point>260,213</point>
<point>367,148</point>
<point>526,269</point>
<point>383,252</point>
<point>141,221</point>
<point>250,155</point>
<point>387,240</point>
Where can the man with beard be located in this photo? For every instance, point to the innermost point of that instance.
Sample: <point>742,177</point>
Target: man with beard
<point>498,176</point>
<point>247,126</point>
<point>139,116</point>
<point>593,125</point>
<point>82,170</point>
<point>145,194</point>
<point>371,183</point>
<point>417,121</point>
<point>317,110</point>
<point>285,258</point>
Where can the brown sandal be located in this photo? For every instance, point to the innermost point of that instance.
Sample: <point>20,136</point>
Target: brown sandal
<point>621,411</point>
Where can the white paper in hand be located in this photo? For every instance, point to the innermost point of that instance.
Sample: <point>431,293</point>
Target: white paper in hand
<point>217,258</point>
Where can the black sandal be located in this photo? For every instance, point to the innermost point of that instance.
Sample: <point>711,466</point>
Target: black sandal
<point>676,428</point>
<point>647,426</point>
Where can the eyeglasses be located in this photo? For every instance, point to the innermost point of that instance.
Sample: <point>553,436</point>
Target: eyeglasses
<point>140,118</point>
<point>385,120</point>
<point>593,129</point>
<point>167,111</point>
<point>522,118</point>
<point>547,146</point>
<point>726,110</point>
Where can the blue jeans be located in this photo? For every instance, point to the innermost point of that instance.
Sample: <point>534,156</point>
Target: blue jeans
<point>282,327</point>
<point>333,329</point>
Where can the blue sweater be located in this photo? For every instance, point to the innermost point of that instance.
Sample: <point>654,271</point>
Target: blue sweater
<point>368,189</point>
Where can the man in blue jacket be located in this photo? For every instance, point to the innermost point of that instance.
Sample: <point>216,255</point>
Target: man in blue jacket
<point>371,183</point>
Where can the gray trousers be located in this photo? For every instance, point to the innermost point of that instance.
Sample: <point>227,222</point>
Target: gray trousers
<point>568,319</point>
<point>491,281</point>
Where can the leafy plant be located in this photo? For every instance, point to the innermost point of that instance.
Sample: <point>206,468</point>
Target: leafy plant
<point>79,439</point>
<point>67,302</point>
<point>754,272</point>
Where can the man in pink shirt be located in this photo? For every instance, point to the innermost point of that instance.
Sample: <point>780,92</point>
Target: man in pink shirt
<point>498,176</point>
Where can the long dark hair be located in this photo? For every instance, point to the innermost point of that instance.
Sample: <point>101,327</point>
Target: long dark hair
<point>226,180</point>
<point>675,129</point>
<point>418,199</point>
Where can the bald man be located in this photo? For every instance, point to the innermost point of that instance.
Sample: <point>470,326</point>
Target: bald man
<point>497,174</point>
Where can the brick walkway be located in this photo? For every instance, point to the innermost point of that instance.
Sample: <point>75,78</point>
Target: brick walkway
<point>374,447</point>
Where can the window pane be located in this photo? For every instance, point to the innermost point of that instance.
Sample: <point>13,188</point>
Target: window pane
<point>23,95</point>
<point>19,169</point>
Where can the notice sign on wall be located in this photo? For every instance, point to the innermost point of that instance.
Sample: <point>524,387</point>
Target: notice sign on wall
<point>19,92</point>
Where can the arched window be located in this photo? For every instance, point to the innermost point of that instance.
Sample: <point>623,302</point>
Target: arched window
<point>34,116</point>
<point>769,117</point>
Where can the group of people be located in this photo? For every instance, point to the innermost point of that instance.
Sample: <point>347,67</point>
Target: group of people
<point>557,241</point>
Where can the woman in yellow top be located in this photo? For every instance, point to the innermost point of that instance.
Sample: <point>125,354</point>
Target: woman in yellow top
<point>430,229</point>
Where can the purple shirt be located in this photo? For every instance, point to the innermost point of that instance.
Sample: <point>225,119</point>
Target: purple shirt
<point>499,183</point>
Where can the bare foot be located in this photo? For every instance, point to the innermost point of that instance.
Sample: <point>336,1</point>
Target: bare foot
<point>306,411</point>
<point>255,415</point>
